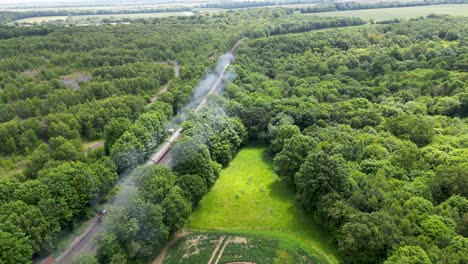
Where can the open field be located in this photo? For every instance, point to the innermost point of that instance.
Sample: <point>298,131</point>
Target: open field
<point>249,197</point>
<point>41,19</point>
<point>99,17</point>
<point>400,12</point>
<point>217,247</point>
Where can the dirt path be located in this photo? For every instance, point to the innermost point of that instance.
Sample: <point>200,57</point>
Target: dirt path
<point>97,145</point>
<point>162,255</point>
<point>155,97</point>
<point>218,245</point>
<point>220,255</point>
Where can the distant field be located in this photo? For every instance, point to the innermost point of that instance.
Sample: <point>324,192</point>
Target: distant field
<point>400,12</point>
<point>249,197</point>
<point>98,17</point>
<point>41,19</point>
<point>100,7</point>
<point>138,15</point>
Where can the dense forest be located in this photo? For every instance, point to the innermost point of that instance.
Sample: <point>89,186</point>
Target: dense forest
<point>66,86</point>
<point>369,126</point>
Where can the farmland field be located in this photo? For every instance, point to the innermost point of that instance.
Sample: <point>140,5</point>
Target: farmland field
<point>99,17</point>
<point>41,19</point>
<point>400,12</point>
<point>214,247</point>
<point>248,197</point>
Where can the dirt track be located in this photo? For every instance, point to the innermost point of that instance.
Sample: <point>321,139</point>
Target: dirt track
<point>175,238</point>
<point>82,243</point>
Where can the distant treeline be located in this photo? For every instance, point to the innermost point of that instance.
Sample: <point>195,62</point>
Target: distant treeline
<point>234,5</point>
<point>343,6</point>
<point>7,32</point>
<point>9,16</point>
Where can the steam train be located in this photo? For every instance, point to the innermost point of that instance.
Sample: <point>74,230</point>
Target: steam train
<point>175,134</point>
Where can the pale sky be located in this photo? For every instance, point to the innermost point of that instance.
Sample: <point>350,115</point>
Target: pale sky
<point>54,2</point>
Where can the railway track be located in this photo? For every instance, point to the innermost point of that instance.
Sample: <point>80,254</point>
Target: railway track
<point>85,242</point>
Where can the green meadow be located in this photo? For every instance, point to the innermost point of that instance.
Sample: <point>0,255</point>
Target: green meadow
<point>249,198</point>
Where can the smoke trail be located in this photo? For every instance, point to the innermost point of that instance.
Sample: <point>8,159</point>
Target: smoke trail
<point>208,84</point>
<point>128,185</point>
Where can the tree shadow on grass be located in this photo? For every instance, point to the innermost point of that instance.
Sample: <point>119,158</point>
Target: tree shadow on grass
<point>281,191</point>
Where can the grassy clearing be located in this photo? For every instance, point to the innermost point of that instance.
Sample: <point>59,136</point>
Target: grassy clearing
<point>249,198</point>
<point>381,14</point>
<point>200,247</point>
<point>92,144</point>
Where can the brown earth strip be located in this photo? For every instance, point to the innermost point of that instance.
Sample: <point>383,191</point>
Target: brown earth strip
<point>162,255</point>
<point>220,242</point>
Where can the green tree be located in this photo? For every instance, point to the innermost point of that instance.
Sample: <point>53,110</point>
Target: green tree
<point>449,180</point>
<point>321,174</point>
<point>288,162</point>
<point>439,229</point>
<point>415,128</point>
<point>33,223</point>
<point>193,187</point>
<point>367,237</point>
<point>28,141</point>
<point>155,182</point>
<point>192,157</point>
<point>68,150</point>
<point>177,209</point>
<point>408,255</point>
<point>38,158</point>
<point>74,183</point>
<point>8,187</point>
<point>127,151</point>
<point>457,250</point>
<point>15,247</point>
<point>114,130</point>
<point>10,146</point>
<point>284,133</point>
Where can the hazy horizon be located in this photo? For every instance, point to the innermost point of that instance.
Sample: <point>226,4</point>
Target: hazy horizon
<point>19,3</point>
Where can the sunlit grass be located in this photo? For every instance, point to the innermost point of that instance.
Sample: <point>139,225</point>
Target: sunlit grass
<point>249,197</point>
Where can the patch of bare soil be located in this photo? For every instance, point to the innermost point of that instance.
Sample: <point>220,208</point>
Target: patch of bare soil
<point>73,80</point>
<point>192,246</point>
<point>234,240</point>
<point>31,72</point>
